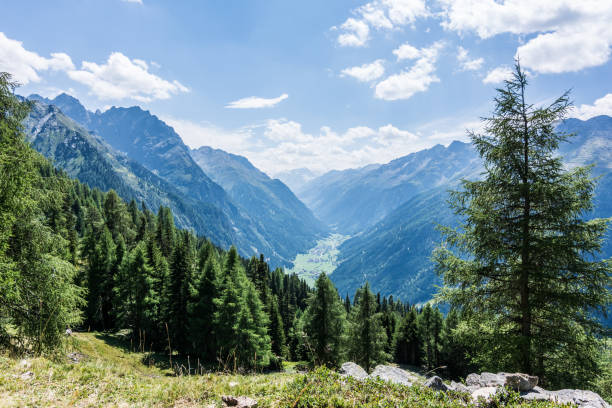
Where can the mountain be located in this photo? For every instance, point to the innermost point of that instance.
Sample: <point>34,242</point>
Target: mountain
<point>156,147</point>
<point>393,254</point>
<point>296,179</point>
<point>88,158</point>
<point>352,200</point>
<point>279,214</point>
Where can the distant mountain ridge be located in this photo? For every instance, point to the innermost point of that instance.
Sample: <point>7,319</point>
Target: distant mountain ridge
<point>148,141</point>
<point>89,159</point>
<point>279,214</point>
<point>393,252</point>
<point>352,200</point>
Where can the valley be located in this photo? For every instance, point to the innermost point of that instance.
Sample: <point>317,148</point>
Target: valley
<point>322,258</point>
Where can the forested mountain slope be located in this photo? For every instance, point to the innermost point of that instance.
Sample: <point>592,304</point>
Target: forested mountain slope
<point>394,254</point>
<point>148,141</point>
<point>278,213</point>
<point>89,159</point>
<point>352,200</point>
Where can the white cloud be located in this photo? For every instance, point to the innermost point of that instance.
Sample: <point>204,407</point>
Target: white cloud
<point>280,144</point>
<point>196,134</point>
<point>291,147</point>
<point>466,63</point>
<point>122,78</point>
<point>602,106</point>
<point>25,65</point>
<point>498,75</point>
<point>366,72</point>
<point>254,102</point>
<point>418,79</point>
<point>569,35</point>
<point>379,14</point>
<point>132,1</point>
<point>557,52</point>
<point>356,33</point>
<point>406,51</point>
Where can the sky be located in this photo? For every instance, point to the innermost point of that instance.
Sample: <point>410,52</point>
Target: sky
<point>315,84</point>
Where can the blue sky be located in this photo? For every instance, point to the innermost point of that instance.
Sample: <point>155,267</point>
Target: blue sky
<point>317,84</point>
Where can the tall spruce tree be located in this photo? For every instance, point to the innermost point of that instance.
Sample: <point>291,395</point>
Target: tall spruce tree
<point>408,340</point>
<point>526,263</point>
<point>182,267</point>
<point>38,298</point>
<point>135,288</point>
<point>325,324</point>
<point>202,311</point>
<point>367,336</point>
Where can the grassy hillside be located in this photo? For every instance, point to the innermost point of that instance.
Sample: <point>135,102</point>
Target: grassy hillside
<point>108,374</point>
<point>99,370</point>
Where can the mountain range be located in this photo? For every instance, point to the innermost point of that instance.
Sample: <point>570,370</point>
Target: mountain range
<point>392,210</point>
<point>132,151</point>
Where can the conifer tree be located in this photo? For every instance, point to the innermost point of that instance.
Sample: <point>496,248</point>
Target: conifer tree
<point>367,337</point>
<point>135,289</point>
<point>202,312</point>
<point>182,266</point>
<point>454,352</point>
<point>38,298</point>
<point>253,342</point>
<point>408,340</point>
<point>100,279</point>
<point>325,324</point>
<point>277,330</point>
<point>525,265</point>
<point>228,307</point>
<point>165,231</point>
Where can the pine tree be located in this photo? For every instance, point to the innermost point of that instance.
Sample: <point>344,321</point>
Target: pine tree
<point>117,217</point>
<point>277,330</point>
<point>408,340</point>
<point>165,231</point>
<point>228,308</point>
<point>135,289</point>
<point>530,278</point>
<point>367,337</point>
<point>325,323</point>
<point>38,298</point>
<point>202,312</point>
<point>182,267</point>
<point>100,279</point>
<point>253,342</point>
<point>454,352</point>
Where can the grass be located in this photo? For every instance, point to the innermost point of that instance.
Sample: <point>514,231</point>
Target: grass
<point>108,374</point>
<point>111,376</point>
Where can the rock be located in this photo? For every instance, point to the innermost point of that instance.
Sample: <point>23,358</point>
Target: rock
<point>537,393</point>
<point>520,382</point>
<point>435,383</point>
<point>473,379</point>
<point>239,402</point>
<point>458,387</point>
<point>393,374</point>
<point>75,358</point>
<point>350,369</point>
<point>485,380</point>
<point>485,392</point>
<point>582,398</point>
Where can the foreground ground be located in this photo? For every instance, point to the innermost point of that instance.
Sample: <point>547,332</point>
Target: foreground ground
<point>97,370</point>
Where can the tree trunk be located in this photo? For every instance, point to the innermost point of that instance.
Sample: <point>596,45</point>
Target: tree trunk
<point>525,307</point>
